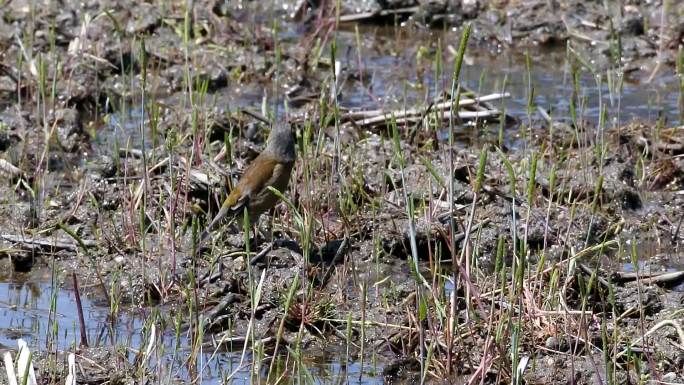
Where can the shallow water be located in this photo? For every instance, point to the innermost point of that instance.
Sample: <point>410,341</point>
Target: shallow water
<point>394,77</point>
<point>26,312</point>
<point>384,73</point>
<point>649,257</point>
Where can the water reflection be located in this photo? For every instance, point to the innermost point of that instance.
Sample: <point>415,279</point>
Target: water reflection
<point>35,306</point>
<point>385,72</point>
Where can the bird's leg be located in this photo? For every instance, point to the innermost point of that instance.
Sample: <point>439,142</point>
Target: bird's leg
<point>259,235</point>
<point>220,264</point>
<point>255,233</point>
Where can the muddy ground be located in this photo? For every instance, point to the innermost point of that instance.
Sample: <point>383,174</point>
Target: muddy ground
<point>86,190</point>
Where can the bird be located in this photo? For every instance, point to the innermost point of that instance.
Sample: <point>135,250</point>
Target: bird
<point>271,168</point>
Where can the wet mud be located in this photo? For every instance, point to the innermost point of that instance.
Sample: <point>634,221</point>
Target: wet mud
<point>540,230</point>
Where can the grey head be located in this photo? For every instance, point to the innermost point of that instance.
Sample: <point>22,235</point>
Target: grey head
<point>281,143</point>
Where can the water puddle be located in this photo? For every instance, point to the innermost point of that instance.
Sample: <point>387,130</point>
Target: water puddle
<point>394,75</point>
<point>392,69</point>
<point>44,313</point>
<point>649,257</point>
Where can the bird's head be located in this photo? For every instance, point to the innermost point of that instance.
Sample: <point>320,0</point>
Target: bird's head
<point>281,143</point>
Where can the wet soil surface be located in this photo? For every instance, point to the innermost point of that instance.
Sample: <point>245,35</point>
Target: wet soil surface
<point>122,123</point>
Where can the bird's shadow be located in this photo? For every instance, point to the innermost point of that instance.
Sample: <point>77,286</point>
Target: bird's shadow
<point>328,253</point>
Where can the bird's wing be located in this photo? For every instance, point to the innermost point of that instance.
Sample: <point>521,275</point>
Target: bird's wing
<point>256,177</point>
<point>259,174</point>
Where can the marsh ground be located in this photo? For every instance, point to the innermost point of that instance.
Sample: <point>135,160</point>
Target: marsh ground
<point>530,235</point>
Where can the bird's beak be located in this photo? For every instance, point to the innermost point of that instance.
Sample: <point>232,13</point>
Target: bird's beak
<point>217,219</point>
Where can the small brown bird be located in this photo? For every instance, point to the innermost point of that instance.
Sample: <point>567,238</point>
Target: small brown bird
<point>271,168</point>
